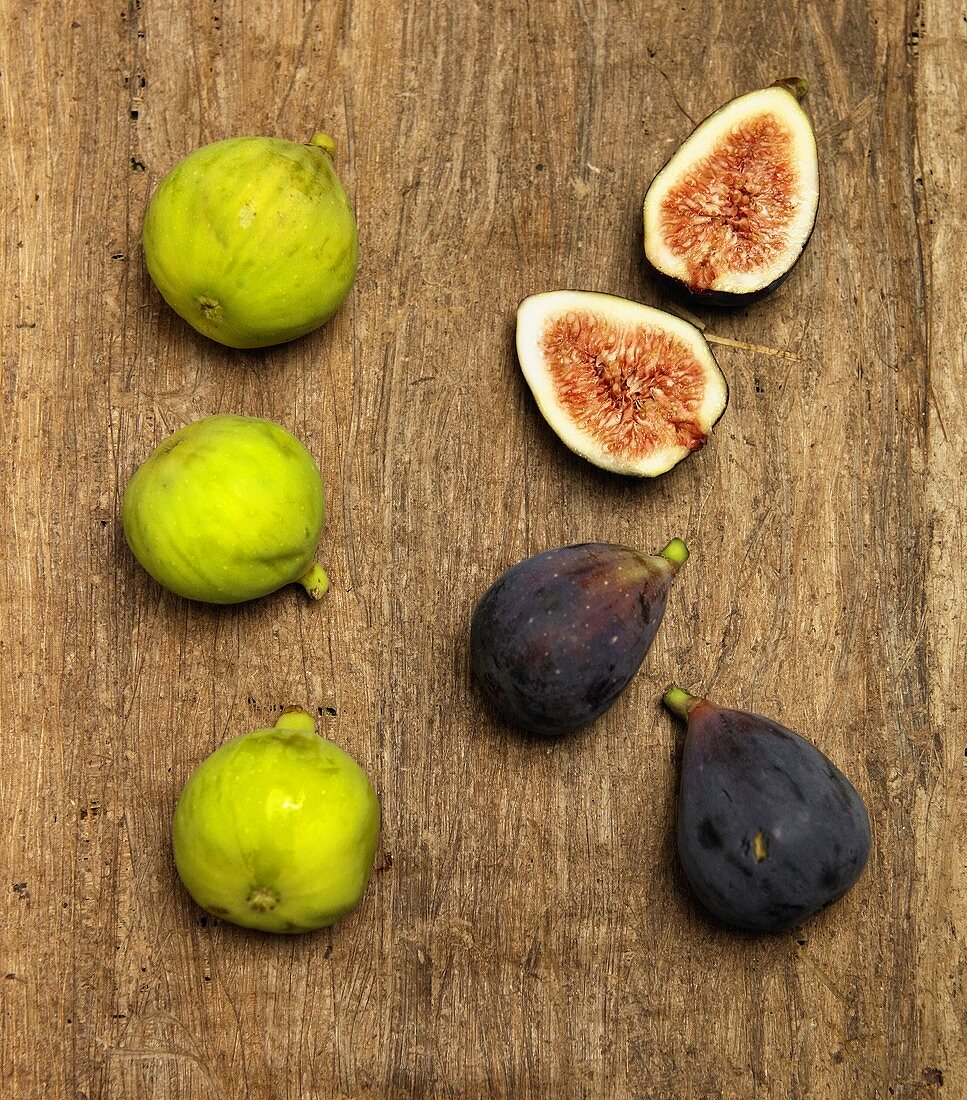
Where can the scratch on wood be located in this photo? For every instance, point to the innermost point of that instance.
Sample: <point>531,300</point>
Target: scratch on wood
<point>824,978</point>
<point>759,349</point>
<point>142,1054</point>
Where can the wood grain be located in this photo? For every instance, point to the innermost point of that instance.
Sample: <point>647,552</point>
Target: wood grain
<point>527,933</point>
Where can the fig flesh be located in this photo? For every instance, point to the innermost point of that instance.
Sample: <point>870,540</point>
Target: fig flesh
<point>227,509</point>
<point>632,389</point>
<point>277,829</point>
<point>252,240</point>
<point>557,638</point>
<point>770,831</point>
<point>729,215</point>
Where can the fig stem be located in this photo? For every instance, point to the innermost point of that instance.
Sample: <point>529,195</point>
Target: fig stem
<point>676,554</point>
<point>315,581</point>
<point>295,718</point>
<point>680,702</point>
<point>324,142</point>
<point>794,85</point>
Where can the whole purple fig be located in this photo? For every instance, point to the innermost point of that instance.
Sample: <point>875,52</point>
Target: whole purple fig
<point>557,638</point>
<point>770,831</point>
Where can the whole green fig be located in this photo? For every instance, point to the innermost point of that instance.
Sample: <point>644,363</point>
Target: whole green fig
<point>277,829</point>
<point>227,509</point>
<point>252,240</point>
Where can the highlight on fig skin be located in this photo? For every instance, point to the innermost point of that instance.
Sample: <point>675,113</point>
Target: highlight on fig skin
<point>731,212</point>
<point>627,387</point>
<point>559,636</point>
<point>769,830</point>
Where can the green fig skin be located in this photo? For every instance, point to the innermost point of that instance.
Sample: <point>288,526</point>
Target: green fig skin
<point>277,829</point>
<point>252,240</point>
<point>227,509</point>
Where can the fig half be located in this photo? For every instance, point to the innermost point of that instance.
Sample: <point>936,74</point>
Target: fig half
<point>729,215</point>
<point>632,389</point>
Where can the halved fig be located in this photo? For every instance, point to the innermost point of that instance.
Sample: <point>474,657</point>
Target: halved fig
<point>630,388</point>
<point>731,212</point>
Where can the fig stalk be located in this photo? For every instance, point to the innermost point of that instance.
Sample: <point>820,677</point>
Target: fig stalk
<point>315,581</point>
<point>675,553</point>
<point>795,85</point>
<point>680,702</point>
<point>324,142</point>
<point>295,718</point>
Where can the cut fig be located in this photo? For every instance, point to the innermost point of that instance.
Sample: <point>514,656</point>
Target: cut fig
<point>630,388</point>
<point>731,212</point>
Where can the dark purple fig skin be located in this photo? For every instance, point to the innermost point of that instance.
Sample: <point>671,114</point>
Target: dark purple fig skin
<point>557,638</point>
<point>745,776</point>
<point>721,299</point>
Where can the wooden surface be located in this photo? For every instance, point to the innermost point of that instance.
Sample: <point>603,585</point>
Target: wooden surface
<point>527,932</point>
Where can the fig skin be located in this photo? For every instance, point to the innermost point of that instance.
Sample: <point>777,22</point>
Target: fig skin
<point>277,829</point>
<point>769,830</point>
<point>558,637</point>
<point>797,88</point>
<point>721,299</point>
<point>227,509</point>
<point>252,240</point>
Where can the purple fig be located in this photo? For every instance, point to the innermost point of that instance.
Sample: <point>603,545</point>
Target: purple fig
<point>557,638</point>
<point>770,831</point>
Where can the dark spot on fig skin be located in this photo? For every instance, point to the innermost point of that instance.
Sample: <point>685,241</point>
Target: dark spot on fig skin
<point>829,879</point>
<point>708,836</point>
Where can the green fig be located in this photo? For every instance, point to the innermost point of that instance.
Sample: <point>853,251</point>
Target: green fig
<point>228,508</point>
<point>277,829</point>
<point>252,240</point>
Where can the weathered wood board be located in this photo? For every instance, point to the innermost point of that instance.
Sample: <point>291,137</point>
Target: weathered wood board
<point>528,932</point>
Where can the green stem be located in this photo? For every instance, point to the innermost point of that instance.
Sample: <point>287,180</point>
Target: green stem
<point>794,85</point>
<point>676,554</point>
<point>680,702</point>
<point>324,142</point>
<point>315,581</point>
<point>295,718</point>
